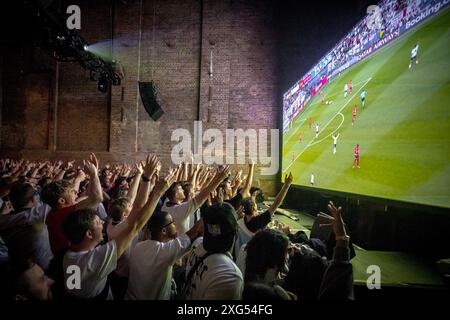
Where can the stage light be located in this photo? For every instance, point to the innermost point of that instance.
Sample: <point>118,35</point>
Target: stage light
<point>86,47</point>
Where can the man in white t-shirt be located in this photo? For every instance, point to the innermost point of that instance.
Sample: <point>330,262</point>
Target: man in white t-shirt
<point>181,211</point>
<point>211,273</point>
<point>345,90</point>
<point>312,180</point>
<point>317,130</point>
<point>151,261</point>
<point>94,264</point>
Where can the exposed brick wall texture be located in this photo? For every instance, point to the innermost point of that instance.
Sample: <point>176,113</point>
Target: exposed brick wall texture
<point>165,41</point>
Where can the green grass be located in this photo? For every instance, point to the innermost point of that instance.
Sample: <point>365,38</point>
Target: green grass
<point>402,130</point>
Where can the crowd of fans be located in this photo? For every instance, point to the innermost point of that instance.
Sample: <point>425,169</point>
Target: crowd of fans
<point>393,15</point>
<point>71,232</point>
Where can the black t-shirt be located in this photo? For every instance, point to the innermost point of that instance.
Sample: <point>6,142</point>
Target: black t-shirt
<point>259,222</point>
<point>235,201</point>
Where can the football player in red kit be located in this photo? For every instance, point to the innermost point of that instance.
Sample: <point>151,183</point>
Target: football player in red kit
<point>356,160</point>
<point>355,112</point>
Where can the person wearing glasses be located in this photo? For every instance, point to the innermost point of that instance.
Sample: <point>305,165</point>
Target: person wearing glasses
<point>151,261</point>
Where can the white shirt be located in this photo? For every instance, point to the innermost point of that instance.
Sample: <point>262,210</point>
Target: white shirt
<point>242,256</point>
<point>151,265</point>
<point>414,51</point>
<point>113,231</point>
<point>317,128</point>
<point>243,237</point>
<point>345,87</point>
<point>335,139</point>
<point>216,278</point>
<point>181,214</point>
<point>312,178</point>
<point>95,266</point>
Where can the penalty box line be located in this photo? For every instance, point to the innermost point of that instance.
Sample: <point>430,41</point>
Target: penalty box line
<point>326,125</point>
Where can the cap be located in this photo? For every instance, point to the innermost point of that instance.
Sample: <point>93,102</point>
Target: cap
<point>220,227</point>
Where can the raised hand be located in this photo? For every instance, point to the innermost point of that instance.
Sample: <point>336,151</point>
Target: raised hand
<point>94,160</point>
<point>139,168</point>
<point>58,164</point>
<point>81,175</point>
<point>127,171</point>
<point>158,167</point>
<point>238,179</point>
<point>41,165</point>
<point>288,178</point>
<point>164,183</point>
<point>70,164</point>
<point>89,168</point>
<point>223,172</point>
<point>335,221</point>
<point>152,165</point>
<point>91,165</point>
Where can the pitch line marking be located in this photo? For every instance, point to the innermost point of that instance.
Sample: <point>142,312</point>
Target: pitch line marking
<point>313,104</point>
<point>326,125</point>
<point>328,135</point>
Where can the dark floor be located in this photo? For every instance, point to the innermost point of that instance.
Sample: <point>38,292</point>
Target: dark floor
<point>402,274</point>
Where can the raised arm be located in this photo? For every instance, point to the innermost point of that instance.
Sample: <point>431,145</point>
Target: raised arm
<point>202,177</point>
<point>237,182</point>
<point>203,195</point>
<point>131,195</point>
<point>94,195</point>
<point>282,194</point>
<point>337,282</point>
<point>78,179</point>
<point>60,175</point>
<point>152,165</point>
<point>136,222</point>
<point>248,182</point>
<point>38,166</point>
<point>194,175</point>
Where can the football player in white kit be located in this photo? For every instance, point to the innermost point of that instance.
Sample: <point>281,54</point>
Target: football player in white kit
<point>414,55</point>
<point>335,137</point>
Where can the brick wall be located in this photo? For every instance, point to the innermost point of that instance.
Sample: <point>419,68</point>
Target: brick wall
<point>165,41</point>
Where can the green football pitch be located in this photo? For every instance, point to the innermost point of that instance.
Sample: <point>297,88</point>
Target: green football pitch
<point>402,131</point>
